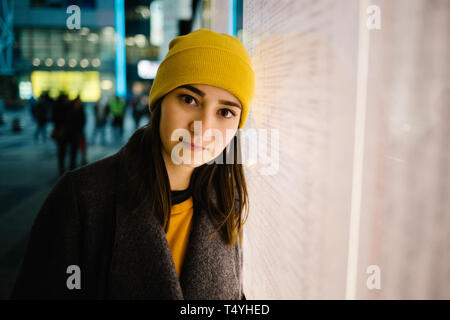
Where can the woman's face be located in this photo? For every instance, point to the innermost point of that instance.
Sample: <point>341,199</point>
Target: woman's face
<point>212,107</point>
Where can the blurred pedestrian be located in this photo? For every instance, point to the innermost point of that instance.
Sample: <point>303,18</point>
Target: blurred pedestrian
<point>101,110</point>
<point>139,105</point>
<point>80,121</point>
<point>41,110</point>
<point>2,108</point>
<point>117,110</point>
<point>69,120</point>
<point>31,106</point>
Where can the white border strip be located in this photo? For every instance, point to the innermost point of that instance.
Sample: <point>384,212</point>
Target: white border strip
<point>358,151</point>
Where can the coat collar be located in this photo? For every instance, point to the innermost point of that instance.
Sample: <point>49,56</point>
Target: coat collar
<point>142,266</point>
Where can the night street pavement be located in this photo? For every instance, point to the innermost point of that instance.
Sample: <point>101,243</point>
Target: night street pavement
<point>28,171</point>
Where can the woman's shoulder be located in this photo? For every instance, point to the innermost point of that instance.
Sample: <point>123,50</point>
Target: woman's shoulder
<point>97,176</point>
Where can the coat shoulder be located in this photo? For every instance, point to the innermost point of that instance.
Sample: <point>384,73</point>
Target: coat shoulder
<point>97,176</point>
<point>95,184</point>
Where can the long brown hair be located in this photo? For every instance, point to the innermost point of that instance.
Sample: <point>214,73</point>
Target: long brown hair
<point>147,171</point>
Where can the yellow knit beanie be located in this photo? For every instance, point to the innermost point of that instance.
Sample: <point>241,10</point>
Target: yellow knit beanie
<point>206,57</point>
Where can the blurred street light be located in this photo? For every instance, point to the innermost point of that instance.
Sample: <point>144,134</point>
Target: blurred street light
<point>140,40</point>
<point>72,63</point>
<point>96,62</point>
<point>60,62</point>
<point>84,31</point>
<point>106,84</point>
<point>93,37</point>
<point>84,63</point>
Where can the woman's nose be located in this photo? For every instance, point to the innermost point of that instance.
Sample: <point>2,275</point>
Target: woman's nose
<point>203,122</point>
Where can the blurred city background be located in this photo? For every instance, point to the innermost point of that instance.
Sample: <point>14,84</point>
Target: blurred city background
<point>74,83</point>
<point>358,90</point>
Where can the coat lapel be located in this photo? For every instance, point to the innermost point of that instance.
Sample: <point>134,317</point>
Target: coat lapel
<point>142,266</point>
<point>210,269</point>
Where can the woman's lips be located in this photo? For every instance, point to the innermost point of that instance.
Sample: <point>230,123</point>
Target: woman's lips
<point>193,146</point>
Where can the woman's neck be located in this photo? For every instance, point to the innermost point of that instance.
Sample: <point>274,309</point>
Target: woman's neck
<point>179,175</point>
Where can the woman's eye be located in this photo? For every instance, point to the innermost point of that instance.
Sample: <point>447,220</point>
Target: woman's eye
<point>187,98</point>
<point>227,113</point>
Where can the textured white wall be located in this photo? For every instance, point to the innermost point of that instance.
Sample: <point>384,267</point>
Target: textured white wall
<point>405,214</point>
<point>304,54</point>
<point>318,70</point>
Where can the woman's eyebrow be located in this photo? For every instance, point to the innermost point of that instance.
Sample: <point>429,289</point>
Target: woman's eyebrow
<point>202,94</point>
<point>193,89</point>
<point>229,103</point>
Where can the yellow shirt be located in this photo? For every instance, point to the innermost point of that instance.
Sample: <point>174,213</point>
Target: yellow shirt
<point>179,230</point>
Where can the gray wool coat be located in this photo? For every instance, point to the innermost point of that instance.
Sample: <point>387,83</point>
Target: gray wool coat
<point>86,221</point>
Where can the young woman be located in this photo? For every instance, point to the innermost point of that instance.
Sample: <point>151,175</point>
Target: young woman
<point>140,224</point>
